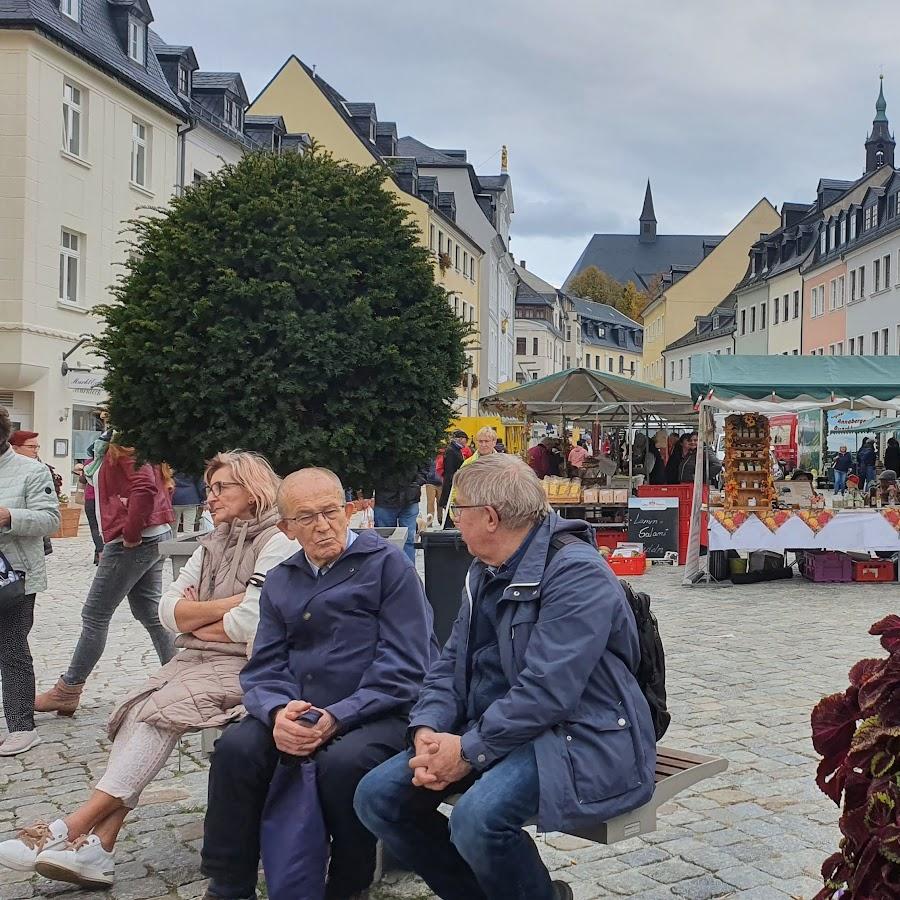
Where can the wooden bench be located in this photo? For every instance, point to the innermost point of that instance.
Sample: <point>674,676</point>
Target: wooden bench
<point>676,771</point>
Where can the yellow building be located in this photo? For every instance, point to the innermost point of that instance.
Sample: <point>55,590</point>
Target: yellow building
<point>673,313</point>
<point>352,132</point>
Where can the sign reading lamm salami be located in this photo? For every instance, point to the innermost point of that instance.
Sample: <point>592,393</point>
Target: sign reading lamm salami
<point>653,522</point>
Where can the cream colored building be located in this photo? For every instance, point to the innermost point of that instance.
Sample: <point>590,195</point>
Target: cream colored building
<point>83,147</point>
<point>673,313</point>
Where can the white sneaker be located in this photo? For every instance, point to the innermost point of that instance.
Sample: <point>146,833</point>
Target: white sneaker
<point>19,742</point>
<point>22,852</point>
<point>83,862</point>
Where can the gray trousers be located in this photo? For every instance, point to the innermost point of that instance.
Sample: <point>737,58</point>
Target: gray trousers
<point>16,666</point>
<point>137,574</point>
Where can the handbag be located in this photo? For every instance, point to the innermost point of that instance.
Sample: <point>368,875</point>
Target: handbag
<point>12,583</point>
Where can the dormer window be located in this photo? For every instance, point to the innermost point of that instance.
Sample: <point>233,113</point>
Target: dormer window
<point>137,40</point>
<point>822,241</point>
<point>853,225</point>
<point>831,233</point>
<point>843,231</point>
<point>753,264</point>
<point>233,114</point>
<point>715,322</point>
<point>71,9</point>
<point>184,81</point>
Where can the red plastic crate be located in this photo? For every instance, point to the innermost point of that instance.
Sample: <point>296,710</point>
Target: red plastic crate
<point>611,537</point>
<point>684,492</point>
<point>624,565</point>
<point>826,565</point>
<point>873,570</point>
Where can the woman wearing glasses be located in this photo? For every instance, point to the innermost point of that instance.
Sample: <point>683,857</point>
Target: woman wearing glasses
<point>213,607</point>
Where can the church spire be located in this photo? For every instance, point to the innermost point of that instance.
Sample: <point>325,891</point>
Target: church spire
<point>648,218</point>
<point>880,143</point>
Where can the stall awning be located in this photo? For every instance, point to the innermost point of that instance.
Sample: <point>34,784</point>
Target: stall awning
<point>797,382</point>
<point>584,393</point>
<point>871,426</point>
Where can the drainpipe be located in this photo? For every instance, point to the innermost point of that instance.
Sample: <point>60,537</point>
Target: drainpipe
<point>182,145</point>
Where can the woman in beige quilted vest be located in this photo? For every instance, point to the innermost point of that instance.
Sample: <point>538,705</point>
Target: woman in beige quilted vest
<point>213,606</point>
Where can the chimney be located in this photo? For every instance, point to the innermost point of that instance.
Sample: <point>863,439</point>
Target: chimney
<point>522,264</point>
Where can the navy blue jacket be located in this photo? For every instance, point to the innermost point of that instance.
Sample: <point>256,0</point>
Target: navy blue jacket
<point>188,491</point>
<point>568,644</point>
<point>357,641</point>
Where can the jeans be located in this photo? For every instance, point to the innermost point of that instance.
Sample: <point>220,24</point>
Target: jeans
<point>481,852</point>
<point>402,516</point>
<point>840,482</point>
<point>137,574</point>
<point>16,665</point>
<point>239,775</point>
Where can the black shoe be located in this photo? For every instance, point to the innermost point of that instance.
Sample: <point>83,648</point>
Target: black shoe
<point>562,890</point>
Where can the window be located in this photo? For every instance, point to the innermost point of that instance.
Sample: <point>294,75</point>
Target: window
<point>876,274</point>
<point>587,360</point>
<point>71,8</point>
<point>886,271</point>
<point>521,348</point>
<point>609,363</point>
<point>874,343</point>
<point>796,305</point>
<point>472,262</point>
<point>440,242</point>
<point>472,313</point>
<point>534,376</point>
<point>681,368</point>
<point>867,218</point>
<point>465,262</point>
<point>743,321</point>
<point>885,340</point>
<point>851,347</point>
<point>184,81</point>
<point>860,346</point>
<point>632,368</point>
<point>69,261</point>
<point>621,364</point>
<point>852,285</point>
<point>831,234</point>
<point>455,306</point>
<point>776,310</point>
<point>137,40</point>
<point>787,301</point>
<point>762,316</point>
<point>839,348</point>
<point>199,177</point>
<point>861,279</point>
<point>72,110</point>
<point>842,284</point>
<point>843,231</point>
<point>465,308</point>
<point>833,300</point>
<point>449,248</point>
<point>431,237</point>
<point>456,261</point>
<point>875,216</point>
<point>752,318</point>
<point>520,378</point>
<point>822,238</point>
<point>234,117</point>
<point>672,370</point>
<point>139,144</point>
<point>534,346</point>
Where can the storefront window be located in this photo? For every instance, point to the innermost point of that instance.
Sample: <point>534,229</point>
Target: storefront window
<point>86,428</point>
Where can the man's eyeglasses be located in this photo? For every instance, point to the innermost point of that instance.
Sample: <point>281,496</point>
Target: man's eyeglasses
<point>307,519</point>
<point>456,507</point>
<point>217,487</point>
<point>31,447</point>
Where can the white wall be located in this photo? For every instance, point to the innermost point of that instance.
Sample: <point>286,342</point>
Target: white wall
<point>878,310</point>
<point>785,337</point>
<point>206,151</point>
<point>680,382</point>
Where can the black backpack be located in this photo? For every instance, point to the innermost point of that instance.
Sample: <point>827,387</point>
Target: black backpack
<point>651,670</point>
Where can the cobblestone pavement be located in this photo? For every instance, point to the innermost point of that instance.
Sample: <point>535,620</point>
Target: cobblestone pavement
<point>745,667</point>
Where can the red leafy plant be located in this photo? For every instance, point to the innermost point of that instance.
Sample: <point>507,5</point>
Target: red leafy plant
<point>857,733</point>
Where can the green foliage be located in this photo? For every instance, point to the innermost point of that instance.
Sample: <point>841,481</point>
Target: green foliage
<point>593,284</point>
<point>283,305</point>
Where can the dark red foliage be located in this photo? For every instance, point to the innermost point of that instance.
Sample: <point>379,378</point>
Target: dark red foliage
<point>857,734</point>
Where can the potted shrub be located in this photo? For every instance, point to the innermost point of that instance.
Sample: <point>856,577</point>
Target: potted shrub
<point>858,735</point>
<point>70,518</point>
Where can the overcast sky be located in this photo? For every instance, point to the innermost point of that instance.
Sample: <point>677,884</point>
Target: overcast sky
<point>719,104</point>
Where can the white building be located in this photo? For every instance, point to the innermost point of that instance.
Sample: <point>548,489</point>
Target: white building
<point>712,333</point>
<point>484,209</point>
<point>541,325</point>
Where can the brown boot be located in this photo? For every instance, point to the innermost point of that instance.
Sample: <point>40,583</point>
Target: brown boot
<point>62,699</point>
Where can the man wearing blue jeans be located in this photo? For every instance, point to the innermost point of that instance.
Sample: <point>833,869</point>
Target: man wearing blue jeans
<point>397,504</point>
<point>532,712</point>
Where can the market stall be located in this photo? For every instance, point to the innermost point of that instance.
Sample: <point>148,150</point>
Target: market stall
<point>752,514</point>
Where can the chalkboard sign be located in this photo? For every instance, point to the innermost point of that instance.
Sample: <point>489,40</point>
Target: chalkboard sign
<point>653,522</point>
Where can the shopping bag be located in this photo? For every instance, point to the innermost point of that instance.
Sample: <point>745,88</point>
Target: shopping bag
<point>293,839</point>
<point>12,583</point>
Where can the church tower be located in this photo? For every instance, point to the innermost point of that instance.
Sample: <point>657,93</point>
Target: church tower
<point>880,143</point>
<point>648,217</point>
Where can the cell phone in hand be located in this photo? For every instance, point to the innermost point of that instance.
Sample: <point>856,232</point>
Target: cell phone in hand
<point>309,718</point>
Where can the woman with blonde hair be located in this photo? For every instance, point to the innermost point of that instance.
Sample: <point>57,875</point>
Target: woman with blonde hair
<point>134,510</point>
<point>213,607</point>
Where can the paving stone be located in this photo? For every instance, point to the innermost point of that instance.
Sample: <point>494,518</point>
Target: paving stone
<point>702,888</point>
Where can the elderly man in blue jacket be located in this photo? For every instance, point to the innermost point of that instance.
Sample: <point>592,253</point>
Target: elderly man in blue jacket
<point>344,629</point>
<point>532,710</point>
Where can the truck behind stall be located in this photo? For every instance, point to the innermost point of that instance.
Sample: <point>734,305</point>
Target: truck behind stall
<point>783,432</point>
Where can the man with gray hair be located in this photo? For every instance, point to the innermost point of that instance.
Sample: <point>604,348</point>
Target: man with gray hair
<point>533,710</point>
<point>344,638</point>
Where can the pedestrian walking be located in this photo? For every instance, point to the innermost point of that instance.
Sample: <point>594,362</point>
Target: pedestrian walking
<point>187,502</point>
<point>866,458</point>
<point>90,505</point>
<point>842,465</point>
<point>135,514</point>
<point>397,504</point>
<point>213,606</point>
<point>29,512</point>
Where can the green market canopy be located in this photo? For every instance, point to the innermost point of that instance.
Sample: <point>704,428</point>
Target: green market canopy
<point>584,394</point>
<point>790,383</point>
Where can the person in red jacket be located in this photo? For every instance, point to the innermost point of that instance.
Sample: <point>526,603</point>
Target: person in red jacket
<point>134,508</point>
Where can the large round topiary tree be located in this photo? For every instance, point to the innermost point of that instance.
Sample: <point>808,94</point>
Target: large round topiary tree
<point>283,305</point>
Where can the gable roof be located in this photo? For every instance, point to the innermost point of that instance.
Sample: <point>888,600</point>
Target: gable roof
<point>427,156</point>
<point>603,312</point>
<point>94,39</point>
<point>726,310</point>
<point>220,81</point>
<point>625,258</point>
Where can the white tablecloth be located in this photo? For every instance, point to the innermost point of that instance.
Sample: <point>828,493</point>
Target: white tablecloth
<point>860,530</point>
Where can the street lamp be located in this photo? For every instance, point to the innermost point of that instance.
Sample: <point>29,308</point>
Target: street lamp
<point>65,368</point>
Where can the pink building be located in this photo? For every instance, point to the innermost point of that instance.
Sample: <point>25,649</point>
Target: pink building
<point>825,296</point>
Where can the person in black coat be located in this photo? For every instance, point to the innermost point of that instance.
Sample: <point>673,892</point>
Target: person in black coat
<point>676,458</point>
<point>892,455</point>
<point>658,472</point>
<point>453,460</point>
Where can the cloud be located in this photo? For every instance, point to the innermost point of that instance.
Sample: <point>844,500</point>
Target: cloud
<point>717,103</point>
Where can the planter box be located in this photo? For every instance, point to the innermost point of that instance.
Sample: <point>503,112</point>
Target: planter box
<point>71,519</point>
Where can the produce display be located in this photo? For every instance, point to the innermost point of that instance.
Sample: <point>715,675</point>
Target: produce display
<point>562,490</point>
<point>748,470</point>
